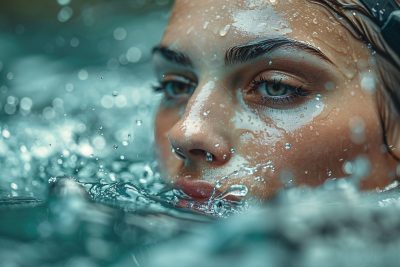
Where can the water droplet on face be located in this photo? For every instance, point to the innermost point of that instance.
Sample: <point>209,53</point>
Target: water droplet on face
<point>233,151</point>
<point>288,146</point>
<point>139,122</point>
<point>357,129</point>
<point>216,145</point>
<point>122,157</point>
<point>318,97</point>
<point>115,147</point>
<point>224,31</point>
<point>115,93</point>
<point>206,113</point>
<point>209,157</point>
<point>125,143</point>
<point>368,82</point>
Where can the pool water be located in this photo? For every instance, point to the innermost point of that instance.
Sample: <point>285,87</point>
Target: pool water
<point>79,185</point>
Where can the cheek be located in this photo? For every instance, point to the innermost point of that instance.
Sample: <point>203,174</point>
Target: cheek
<point>312,148</point>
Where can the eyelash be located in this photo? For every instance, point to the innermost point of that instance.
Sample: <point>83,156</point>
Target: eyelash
<point>294,92</point>
<point>162,87</point>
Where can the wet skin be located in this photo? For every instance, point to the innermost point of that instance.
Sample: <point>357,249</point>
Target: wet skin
<point>254,82</point>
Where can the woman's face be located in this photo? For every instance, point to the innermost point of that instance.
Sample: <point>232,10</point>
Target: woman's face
<point>268,93</point>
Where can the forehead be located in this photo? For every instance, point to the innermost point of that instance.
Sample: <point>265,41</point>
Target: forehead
<point>210,27</point>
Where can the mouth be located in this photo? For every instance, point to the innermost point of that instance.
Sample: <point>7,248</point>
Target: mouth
<point>201,190</point>
<point>197,189</point>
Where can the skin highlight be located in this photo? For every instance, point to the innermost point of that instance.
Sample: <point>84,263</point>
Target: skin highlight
<point>220,110</point>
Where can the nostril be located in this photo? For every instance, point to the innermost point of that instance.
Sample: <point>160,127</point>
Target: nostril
<point>197,152</point>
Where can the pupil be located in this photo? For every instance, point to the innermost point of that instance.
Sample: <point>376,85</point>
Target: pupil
<point>276,90</point>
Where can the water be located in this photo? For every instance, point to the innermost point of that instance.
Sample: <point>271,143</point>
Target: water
<point>79,185</point>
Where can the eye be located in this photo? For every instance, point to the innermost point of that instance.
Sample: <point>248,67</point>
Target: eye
<point>274,89</point>
<point>176,87</point>
<point>274,92</point>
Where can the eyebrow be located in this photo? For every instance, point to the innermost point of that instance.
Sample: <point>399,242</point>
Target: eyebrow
<point>245,52</point>
<point>173,56</point>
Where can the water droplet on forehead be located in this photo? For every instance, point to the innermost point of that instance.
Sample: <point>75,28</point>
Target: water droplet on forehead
<point>288,146</point>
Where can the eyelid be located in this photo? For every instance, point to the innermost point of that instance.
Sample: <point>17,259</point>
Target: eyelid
<point>283,77</point>
<point>177,78</point>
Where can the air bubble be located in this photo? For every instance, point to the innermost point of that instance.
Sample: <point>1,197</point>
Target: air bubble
<point>65,14</point>
<point>120,34</point>
<point>6,134</point>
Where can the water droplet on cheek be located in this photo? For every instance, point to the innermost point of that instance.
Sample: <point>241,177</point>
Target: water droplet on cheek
<point>288,146</point>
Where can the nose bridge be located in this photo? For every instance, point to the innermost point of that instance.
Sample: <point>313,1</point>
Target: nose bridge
<point>201,130</point>
<point>198,107</point>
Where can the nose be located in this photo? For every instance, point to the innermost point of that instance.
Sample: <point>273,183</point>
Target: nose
<point>200,136</point>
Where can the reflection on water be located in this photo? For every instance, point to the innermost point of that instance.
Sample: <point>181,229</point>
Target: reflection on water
<point>79,185</point>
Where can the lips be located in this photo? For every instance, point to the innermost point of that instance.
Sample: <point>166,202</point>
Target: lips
<point>197,189</point>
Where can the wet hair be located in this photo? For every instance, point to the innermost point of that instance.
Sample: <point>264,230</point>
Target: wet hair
<point>354,16</point>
